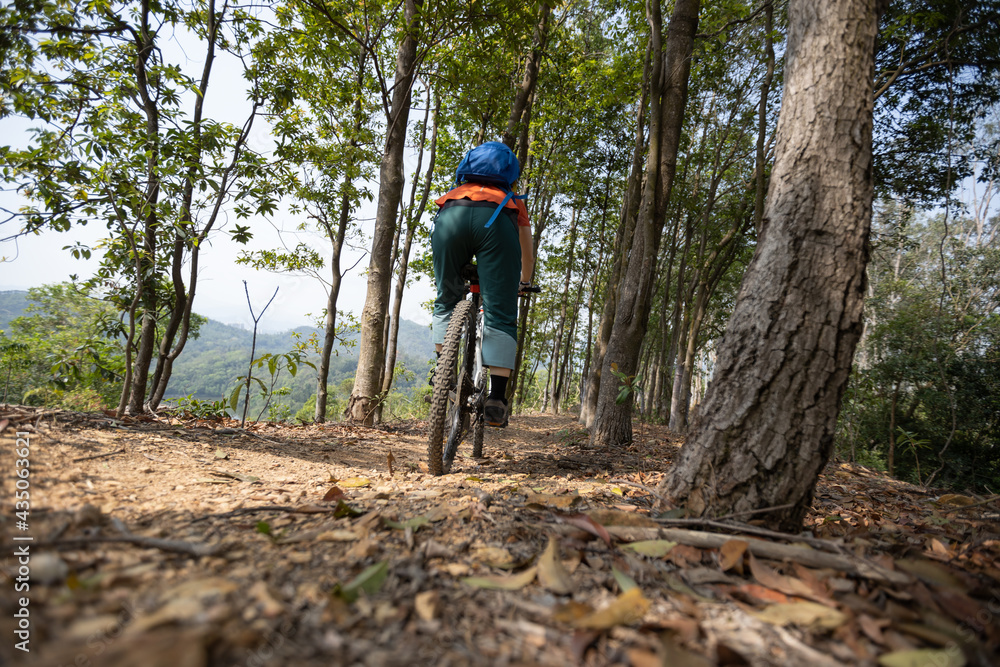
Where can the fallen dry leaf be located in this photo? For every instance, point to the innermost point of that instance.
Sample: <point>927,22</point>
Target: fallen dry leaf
<point>587,523</point>
<point>651,548</point>
<point>338,535</point>
<point>779,582</point>
<point>426,605</point>
<point>494,557</point>
<point>922,658</point>
<point>628,608</point>
<point>504,583</point>
<point>956,499</point>
<point>931,572</point>
<point>625,582</point>
<point>551,573</point>
<point>571,612</point>
<point>354,482</point>
<point>334,494</point>
<point>731,555</point>
<point>552,500</point>
<point>804,614</point>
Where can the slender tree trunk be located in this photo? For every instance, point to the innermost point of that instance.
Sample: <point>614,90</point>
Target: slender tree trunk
<point>521,103</point>
<point>766,427</point>
<point>561,325</point>
<point>330,325</point>
<point>668,327</point>
<point>146,280</point>
<point>613,421</point>
<point>622,247</point>
<point>336,236</point>
<point>181,305</point>
<point>566,365</point>
<point>765,88</point>
<point>891,458</point>
<point>371,352</point>
<point>413,221</point>
<point>540,222</point>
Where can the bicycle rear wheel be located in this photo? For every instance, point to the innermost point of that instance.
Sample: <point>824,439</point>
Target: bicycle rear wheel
<point>448,415</point>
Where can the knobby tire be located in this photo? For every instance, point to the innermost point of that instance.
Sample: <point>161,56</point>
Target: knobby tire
<point>445,377</point>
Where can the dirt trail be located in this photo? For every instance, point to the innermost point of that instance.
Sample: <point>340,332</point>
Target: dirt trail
<point>178,542</point>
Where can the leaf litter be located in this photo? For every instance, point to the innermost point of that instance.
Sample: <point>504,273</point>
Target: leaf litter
<point>326,544</point>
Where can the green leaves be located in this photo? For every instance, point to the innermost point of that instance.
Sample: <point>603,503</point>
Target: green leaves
<point>369,581</point>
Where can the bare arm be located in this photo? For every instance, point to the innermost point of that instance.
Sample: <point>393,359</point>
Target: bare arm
<point>527,253</point>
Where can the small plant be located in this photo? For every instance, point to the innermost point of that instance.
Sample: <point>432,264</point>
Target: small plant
<point>203,409</point>
<point>628,387</point>
<point>910,442</point>
<point>275,364</point>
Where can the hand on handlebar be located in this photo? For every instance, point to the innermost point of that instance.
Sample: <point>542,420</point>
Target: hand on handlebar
<point>523,289</point>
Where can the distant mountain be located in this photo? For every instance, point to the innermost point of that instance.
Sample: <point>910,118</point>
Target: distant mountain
<point>211,362</point>
<point>12,304</point>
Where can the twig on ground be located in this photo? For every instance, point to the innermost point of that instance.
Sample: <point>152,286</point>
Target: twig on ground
<point>173,546</point>
<point>965,507</point>
<point>309,509</point>
<point>764,549</point>
<point>817,543</point>
<point>99,456</point>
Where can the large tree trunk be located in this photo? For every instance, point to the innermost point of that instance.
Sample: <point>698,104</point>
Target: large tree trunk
<point>371,352</point>
<point>622,246</point>
<point>765,429</point>
<point>413,214</point>
<point>613,421</point>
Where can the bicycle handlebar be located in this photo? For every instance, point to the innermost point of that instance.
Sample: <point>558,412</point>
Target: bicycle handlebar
<point>533,289</point>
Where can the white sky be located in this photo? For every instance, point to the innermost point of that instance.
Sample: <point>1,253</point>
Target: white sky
<point>37,260</point>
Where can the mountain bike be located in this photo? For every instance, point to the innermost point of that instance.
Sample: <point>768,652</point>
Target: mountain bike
<point>460,382</point>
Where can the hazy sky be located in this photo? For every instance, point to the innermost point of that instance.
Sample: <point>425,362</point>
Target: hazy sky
<point>37,260</point>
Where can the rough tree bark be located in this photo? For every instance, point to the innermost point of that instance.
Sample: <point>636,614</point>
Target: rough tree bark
<point>612,421</point>
<point>146,280</point>
<point>622,245</point>
<point>371,350</point>
<point>766,426</point>
<point>412,216</point>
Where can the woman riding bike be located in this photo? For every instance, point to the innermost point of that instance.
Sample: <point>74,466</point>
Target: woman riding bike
<point>483,217</point>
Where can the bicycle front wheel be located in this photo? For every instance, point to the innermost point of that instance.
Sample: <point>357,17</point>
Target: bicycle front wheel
<point>448,415</point>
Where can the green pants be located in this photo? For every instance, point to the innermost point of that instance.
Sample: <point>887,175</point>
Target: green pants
<point>460,233</point>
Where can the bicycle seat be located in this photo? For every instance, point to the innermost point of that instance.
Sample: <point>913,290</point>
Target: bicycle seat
<point>469,273</point>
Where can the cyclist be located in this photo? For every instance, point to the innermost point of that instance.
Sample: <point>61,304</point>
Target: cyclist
<point>483,217</point>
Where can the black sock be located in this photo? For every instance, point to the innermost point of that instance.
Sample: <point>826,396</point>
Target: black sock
<point>498,387</point>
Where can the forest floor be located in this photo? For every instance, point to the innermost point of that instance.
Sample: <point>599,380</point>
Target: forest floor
<point>178,542</point>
